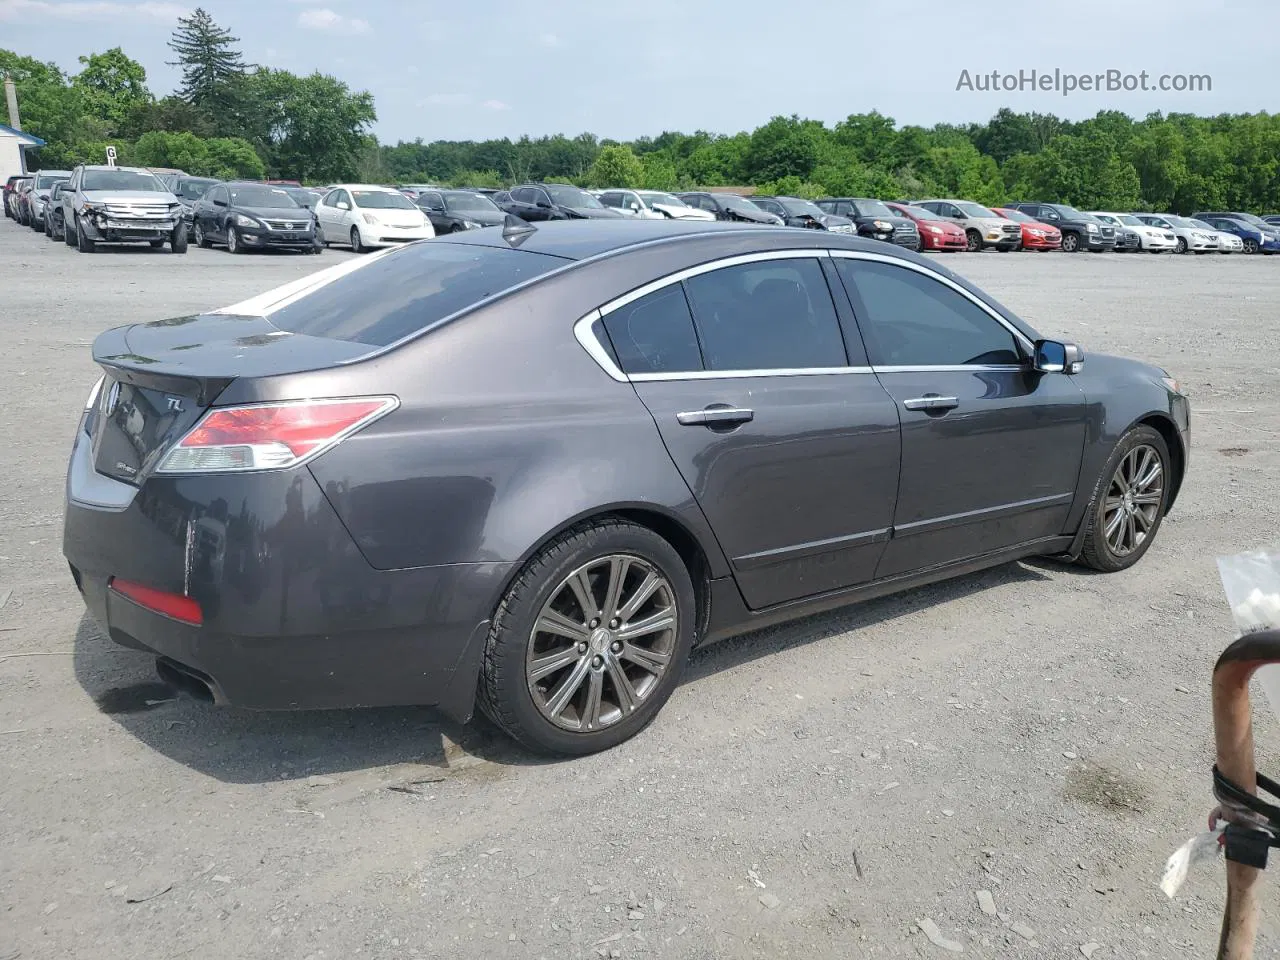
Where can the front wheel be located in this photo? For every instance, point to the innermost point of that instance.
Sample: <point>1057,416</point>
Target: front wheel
<point>973,241</point>
<point>83,243</point>
<point>1182,246</point>
<point>1250,245</point>
<point>357,245</point>
<point>590,640</point>
<point>202,240</point>
<point>1130,503</point>
<point>1070,243</point>
<point>233,241</point>
<point>177,239</point>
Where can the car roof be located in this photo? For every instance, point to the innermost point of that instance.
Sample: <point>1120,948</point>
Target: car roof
<point>580,239</point>
<point>359,186</point>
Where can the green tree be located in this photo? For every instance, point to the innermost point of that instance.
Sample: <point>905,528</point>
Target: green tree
<point>616,166</point>
<point>111,87</point>
<point>477,178</point>
<point>785,146</point>
<point>231,158</point>
<point>658,172</point>
<point>210,62</point>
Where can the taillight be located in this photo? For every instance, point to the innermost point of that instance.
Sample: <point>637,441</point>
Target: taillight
<point>270,436</point>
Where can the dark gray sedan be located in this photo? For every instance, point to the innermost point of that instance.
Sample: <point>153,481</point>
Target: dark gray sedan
<point>533,468</point>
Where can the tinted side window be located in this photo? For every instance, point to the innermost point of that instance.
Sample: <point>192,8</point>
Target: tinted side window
<point>654,334</point>
<point>409,290</point>
<point>909,319</point>
<point>612,199</point>
<point>775,314</point>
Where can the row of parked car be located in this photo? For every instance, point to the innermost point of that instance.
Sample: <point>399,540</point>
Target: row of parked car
<point>108,204</point>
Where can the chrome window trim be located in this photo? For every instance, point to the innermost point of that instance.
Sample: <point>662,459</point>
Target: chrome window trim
<point>953,368</point>
<point>1018,335</point>
<point>591,343</point>
<point>739,374</point>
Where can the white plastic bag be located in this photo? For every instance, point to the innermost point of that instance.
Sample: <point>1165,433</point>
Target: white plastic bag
<point>1252,583</point>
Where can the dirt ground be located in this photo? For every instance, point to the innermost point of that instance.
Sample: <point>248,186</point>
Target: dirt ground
<point>814,790</point>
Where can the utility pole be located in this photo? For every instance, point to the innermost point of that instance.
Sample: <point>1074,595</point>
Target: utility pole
<point>11,97</point>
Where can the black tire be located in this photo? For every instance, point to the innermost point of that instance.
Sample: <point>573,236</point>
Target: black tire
<point>504,694</point>
<point>83,243</point>
<point>178,239</point>
<point>202,241</point>
<point>1181,246</point>
<point>1070,242</point>
<point>1097,552</point>
<point>37,229</point>
<point>233,241</point>
<point>974,239</point>
<point>1250,245</point>
<point>68,233</point>
<point>48,226</point>
<point>357,246</point>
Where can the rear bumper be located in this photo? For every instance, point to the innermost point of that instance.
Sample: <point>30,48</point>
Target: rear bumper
<point>293,615</point>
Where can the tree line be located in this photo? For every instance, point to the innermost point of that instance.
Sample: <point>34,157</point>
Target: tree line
<point>232,119</point>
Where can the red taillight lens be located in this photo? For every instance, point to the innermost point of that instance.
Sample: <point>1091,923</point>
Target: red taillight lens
<point>270,436</point>
<point>173,605</point>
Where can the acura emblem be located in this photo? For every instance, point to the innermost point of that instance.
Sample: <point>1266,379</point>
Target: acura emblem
<point>112,398</point>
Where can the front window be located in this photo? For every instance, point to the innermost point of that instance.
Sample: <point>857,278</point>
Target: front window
<point>1071,213</point>
<point>258,196</point>
<point>382,200</point>
<point>1129,220</point>
<point>122,180</point>
<point>732,201</point>
<point>1019,217</point>
<point>666,199</point>
<point>470,203</point>
<point>46,180</point>
<point>803,208</point>
<point>975,210</point>
<point>873,208</point>
<point>567,196</point>
<point>1256,220</point>
<point>194,189</point>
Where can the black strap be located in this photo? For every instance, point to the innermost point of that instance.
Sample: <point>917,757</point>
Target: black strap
<point>1245,843</point>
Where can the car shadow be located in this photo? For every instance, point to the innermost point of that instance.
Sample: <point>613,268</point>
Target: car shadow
<point>243,746</point>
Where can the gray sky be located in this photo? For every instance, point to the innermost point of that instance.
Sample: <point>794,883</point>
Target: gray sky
<point>623,68</point>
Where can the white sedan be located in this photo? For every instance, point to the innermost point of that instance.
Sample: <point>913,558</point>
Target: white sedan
<point>1227,242</point>
<point>1154,239</point>
<point>367,216</point>
<point>652,205</point>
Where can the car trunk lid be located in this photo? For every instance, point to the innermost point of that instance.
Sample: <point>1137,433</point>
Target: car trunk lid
<point>161,377</point>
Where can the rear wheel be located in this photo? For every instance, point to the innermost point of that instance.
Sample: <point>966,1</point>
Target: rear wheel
<point>202,241</point>
<point>590,640</point>
<point>974,240</point>
<point>1130,503</point>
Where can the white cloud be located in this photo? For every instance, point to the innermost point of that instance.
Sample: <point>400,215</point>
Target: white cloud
<point>445,100</point>
<point>549,40</point>
<point>90,10</point>
<point>326,19</point>
<point>495,105</point>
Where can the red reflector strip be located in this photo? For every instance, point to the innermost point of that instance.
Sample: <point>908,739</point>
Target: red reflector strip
<point>173,605</point>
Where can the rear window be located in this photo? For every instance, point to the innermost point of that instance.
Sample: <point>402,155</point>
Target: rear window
<point>404,292</point>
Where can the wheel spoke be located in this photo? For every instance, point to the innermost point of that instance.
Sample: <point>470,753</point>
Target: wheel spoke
<point>591,709</point>
<point>622,686</point>
<point>543,667</point>
<point>1114,524</point>
<point>651,624</point>
<point>643,592</point>
<point>1147,499</point>
<point>1150,477</point>
<point>568,687</point>
<point>652,660</point>
<point>552,621</point>
<point>580,584</point>
<point>1143,522</point>
<point>618,568</point>
<point>1131,533</point>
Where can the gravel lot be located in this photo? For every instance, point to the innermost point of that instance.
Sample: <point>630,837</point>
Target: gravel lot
<point>811,791</point>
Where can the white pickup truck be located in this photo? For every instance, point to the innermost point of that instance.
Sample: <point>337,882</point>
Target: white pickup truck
<point>105,204</point>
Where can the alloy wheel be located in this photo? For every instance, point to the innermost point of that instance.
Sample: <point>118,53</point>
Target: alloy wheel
<point>602,642</point>
<point>973,240</point>
<point>1070,242</point>
<point>1251,245</point>
<point>1134,499</point>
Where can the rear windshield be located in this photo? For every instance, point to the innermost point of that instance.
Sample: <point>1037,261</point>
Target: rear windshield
<point>404,292</point>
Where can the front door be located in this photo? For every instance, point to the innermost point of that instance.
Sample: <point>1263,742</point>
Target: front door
<point>790,451</point>
<point>991,449</point>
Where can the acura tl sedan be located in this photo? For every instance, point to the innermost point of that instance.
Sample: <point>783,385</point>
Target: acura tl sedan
<point>532,468</point>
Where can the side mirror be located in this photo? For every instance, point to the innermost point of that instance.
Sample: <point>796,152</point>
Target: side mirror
<point>543,204</point>
<point>343,205</point>
<point>634,206</point>
<point>1054,357</point>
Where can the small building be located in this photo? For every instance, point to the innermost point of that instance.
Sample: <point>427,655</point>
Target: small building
<point>14,145</point>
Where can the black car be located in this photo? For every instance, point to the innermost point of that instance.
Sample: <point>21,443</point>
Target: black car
<point>1080,231</point>
<point>188,190</point>
<point>873,219</point>
<point>730,206</point>
<point>795,212</point>
<point>452,210</point>
<point>536,202</point>
<point>413,482</point>
<point>253,216</point>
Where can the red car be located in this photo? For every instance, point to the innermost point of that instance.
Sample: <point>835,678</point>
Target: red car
<point>1035,235</point>
<point>935,234</point>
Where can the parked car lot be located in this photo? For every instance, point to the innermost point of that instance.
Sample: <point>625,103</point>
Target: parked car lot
<point>964,695</point>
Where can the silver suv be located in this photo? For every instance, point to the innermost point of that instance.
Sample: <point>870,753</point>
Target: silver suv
<point>120,205</point>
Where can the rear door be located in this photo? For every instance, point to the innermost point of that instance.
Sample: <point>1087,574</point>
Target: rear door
<point>787,441</point>
<point>991,449</point>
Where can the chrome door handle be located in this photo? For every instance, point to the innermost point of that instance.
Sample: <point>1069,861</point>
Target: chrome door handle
<point>718,416</point>
<point>931,402</point>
